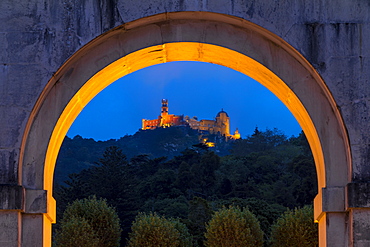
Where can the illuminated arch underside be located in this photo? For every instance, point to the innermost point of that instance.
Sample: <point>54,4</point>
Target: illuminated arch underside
<point>179,51</point>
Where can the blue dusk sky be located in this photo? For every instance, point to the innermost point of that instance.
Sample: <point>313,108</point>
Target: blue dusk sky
<point>192,89</point>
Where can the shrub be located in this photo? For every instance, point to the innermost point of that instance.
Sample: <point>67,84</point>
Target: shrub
<point>91,219</point>
<point>295,228</point>
<point>76,232</point>
<point>156,231</point>
<point>231,227</point>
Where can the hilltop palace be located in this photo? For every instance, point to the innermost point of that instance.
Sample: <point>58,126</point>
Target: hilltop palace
<point>219,126</point>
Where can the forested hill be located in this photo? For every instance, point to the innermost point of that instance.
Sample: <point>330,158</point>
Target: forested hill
<point>266,172</point>
<point>79,153</point>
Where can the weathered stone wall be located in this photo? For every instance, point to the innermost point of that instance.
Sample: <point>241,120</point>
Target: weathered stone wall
<point>37,37</point>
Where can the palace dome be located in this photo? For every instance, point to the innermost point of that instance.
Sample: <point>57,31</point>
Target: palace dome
<point>222,112</point>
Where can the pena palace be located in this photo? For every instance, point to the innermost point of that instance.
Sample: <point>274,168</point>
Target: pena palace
<point>219,126</point>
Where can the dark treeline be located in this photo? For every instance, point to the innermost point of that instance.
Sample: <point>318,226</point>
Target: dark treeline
<point>80,153</point>
<point>267,172</point>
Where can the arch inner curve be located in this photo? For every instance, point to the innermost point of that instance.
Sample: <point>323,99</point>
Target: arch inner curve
<point>181,51</point>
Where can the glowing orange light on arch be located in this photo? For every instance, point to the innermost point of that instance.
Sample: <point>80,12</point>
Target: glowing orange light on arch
<point>170,52</point>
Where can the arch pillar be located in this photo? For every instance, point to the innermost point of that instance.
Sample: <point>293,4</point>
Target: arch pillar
<point>23,216</point>
<point>349,206</point>
<point>331,215</point>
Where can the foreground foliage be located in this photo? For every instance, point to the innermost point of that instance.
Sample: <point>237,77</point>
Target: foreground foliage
<point>89,222</point>
<point>295,228</point>
<point>76,231</point>
<point>233,227</point>
<point>151,230</point>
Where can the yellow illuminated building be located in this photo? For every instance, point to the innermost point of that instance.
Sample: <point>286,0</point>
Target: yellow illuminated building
<point>219,126</point>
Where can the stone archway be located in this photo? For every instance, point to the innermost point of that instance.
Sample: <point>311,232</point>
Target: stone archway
<point>192,36</point>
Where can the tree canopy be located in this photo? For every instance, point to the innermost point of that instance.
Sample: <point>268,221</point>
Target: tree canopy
<point>151,230</point>
<point>234,227</point>
<point>89,222</point>
<point>295,228</point>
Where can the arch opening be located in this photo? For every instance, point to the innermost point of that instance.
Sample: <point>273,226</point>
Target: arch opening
<point>168,53</point>
<point>165,53</point>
